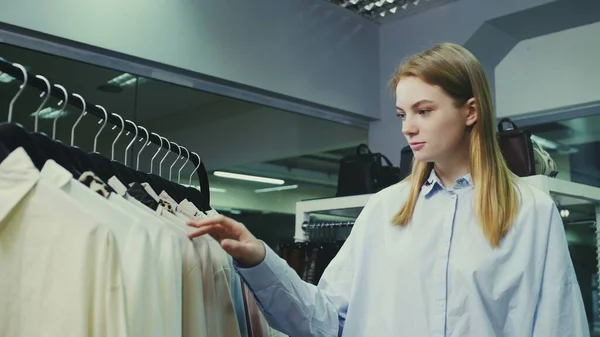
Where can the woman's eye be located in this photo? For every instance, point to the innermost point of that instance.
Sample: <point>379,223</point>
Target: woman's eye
<point>424,111</point>
<point>401,115</point>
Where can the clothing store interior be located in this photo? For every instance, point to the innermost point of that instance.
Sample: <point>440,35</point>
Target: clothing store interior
<point>276,113</point>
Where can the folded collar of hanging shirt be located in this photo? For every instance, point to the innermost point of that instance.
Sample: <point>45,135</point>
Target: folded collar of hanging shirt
<point>18,176</point>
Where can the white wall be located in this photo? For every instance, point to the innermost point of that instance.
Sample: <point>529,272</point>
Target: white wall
<point>550,72</point>
<point>309,49</point>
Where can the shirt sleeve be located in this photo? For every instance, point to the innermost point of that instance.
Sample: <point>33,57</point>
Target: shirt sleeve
<point>560,311</point>
<point>298,308</point>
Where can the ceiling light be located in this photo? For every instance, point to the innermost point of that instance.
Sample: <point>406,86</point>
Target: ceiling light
<point>276,189</point>
<point>126,80</point>
<point>545,143</point>
<point>382,14</point>
<point>393,10</point>
<point>246,177</point>
<point>354,2</point>
<point>405,6</point>
<point>50,113</point>
<point>380,3</point>
<point>217,190</point>
<point>391,1</point>
<point>369,6</point>
<point>416,2</point>
<point>6,78</point>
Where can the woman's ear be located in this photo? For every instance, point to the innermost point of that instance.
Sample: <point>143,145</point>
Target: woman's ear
<point>471,112</point>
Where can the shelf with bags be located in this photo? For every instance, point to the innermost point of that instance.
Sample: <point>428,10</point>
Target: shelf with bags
<point>563,192</point>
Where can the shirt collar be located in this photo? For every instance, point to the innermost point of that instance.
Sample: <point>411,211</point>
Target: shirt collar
<point>18,176</point>
<point>433,184</point>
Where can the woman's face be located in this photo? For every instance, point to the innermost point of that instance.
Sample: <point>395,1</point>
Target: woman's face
<point>432,124</point>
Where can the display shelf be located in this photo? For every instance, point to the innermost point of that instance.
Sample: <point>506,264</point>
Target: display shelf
<point>563,192</point>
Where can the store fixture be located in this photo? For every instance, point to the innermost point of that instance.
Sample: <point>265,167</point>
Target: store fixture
<point>379,9</point>
<point>75,100</point>
<point>563,192</point>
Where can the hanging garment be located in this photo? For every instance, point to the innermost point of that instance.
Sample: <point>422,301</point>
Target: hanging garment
<point>57,262</point>
<point>133,243</point>
<point>238,299</point>
<point>194,309</point>
<point>220,315</point>
<point>168,259</point>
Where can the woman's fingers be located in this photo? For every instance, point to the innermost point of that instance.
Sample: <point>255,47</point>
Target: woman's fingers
<point>219,227</point>
<point>215,231</point>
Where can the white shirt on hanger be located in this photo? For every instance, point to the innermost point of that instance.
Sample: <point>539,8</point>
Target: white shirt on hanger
<point>135,251</point>
<point>194,315</point>
<point>167,255</point>
<point>61,275</point>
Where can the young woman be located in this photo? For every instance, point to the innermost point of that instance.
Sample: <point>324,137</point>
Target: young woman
<point>461,248</point>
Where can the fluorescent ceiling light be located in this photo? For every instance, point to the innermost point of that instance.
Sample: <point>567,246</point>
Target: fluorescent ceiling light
<point>217,190</point>
<point>276,189</point>
<point>246,177</point>
<point>393,10</point>
<point>126,80</point>
<point>6,78</point>
<point>50,113</point>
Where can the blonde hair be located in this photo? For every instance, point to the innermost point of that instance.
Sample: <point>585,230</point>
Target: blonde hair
<point>456,71</point>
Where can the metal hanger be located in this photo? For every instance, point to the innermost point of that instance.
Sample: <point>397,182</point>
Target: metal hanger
<point>146,143</point>
<point>83,113</point>
<point>195,169</point>
<point>156,154</point>
<point>132,140</point>
<point>163,159</point>
<point>13,135</point>
<point>194,195</point>
<point>46,96</point>
<point>112,151</point>
<point>104,166</point>
<point>78,157</point>
<point>140,176</point>
<point>124,173</point>
<point>65,101</point>
<point>52,149</point>
<point>182,166</point>
<point>21,89</point>
<point>175,161</point>
<point>101,128</point>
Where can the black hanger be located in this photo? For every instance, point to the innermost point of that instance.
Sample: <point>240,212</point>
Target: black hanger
<point>13,136</point>
<point>3,152</point>
<point>51,149</point>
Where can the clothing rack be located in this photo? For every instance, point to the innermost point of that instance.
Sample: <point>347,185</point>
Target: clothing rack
<point>327,231</point>
<point>8,68</point>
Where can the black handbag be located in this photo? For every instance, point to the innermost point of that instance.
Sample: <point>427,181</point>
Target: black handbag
<point>365,173</point>
<point>517,148</point>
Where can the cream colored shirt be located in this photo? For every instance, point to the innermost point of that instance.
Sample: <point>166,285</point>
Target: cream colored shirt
<point>167,258</point>
<point>194,310</point>
<point>61,275</point>
<point>135,251</point>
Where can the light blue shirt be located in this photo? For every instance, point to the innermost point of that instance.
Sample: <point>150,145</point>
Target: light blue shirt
<point>436,277</point>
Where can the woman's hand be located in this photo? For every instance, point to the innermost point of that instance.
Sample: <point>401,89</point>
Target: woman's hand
<point>234,237</point>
